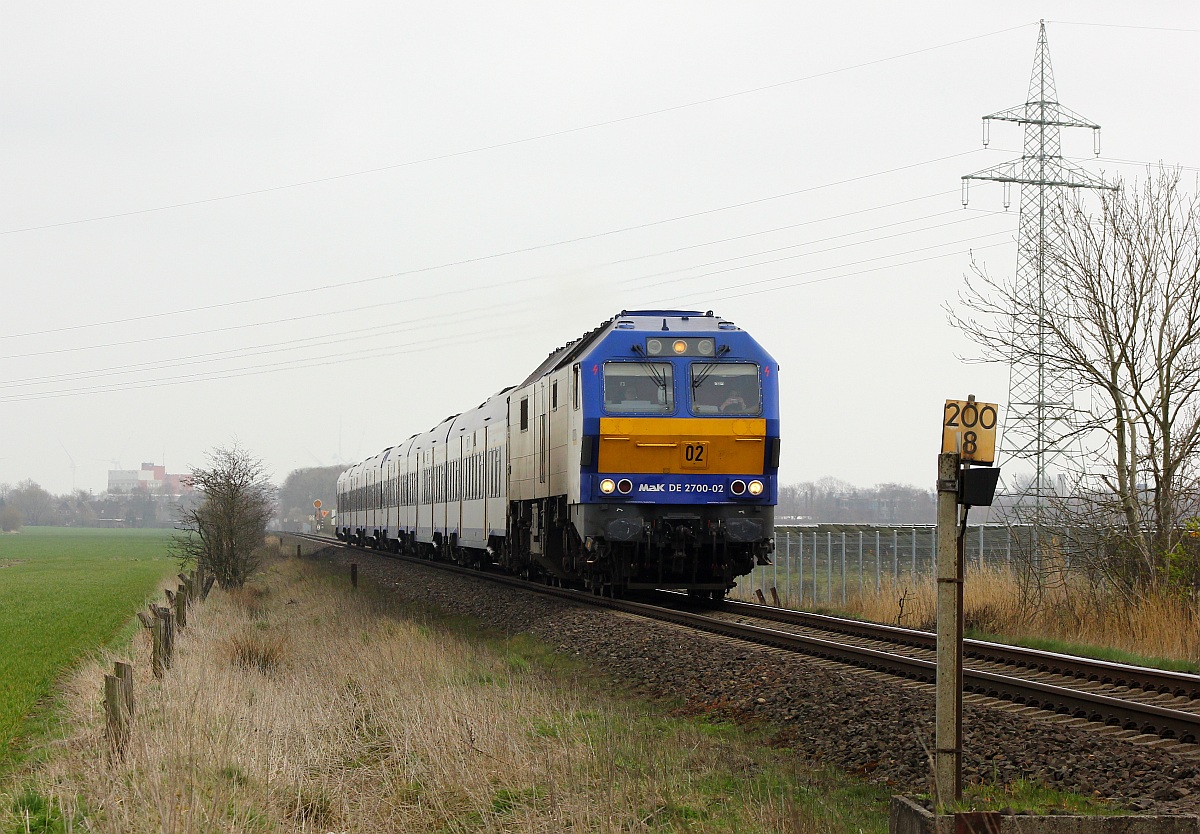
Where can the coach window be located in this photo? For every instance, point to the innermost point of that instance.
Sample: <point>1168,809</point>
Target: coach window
<point>525,414</point>
<point>575,387</point>
<point>726,388</point>
<point>554,395</point>
<point>638,388</point>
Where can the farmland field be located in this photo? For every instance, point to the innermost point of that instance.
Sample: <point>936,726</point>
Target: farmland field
<point>63,592</point>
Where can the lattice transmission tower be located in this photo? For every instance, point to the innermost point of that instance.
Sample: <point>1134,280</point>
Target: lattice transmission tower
<point>1040,412</point>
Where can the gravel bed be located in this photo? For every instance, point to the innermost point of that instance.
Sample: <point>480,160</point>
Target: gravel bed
<point>863,723</point>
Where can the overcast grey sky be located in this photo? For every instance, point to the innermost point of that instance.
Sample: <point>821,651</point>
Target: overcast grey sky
<point>320,228</point>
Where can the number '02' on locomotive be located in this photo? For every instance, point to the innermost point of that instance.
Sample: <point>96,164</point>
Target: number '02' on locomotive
<point>644,454</point>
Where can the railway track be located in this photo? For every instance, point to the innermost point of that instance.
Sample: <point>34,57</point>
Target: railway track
<point>1147,701</point>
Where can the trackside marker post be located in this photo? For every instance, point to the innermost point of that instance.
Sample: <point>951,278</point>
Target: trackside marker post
<point>948,757</point>
<point>968,437</point>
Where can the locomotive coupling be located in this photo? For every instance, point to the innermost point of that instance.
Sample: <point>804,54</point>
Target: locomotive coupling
<point>763,555</point>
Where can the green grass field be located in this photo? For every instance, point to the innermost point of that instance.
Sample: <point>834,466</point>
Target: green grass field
<point>63,592</point>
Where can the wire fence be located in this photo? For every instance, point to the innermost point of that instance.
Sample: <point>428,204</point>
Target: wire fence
<point>822,565</point>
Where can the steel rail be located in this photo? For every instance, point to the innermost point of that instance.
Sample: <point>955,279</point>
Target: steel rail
<point>1094,707</point>
<point>1100,671</point>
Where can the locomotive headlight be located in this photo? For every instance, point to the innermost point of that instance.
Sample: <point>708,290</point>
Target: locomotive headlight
<point>738,487</point>
<point>706,347</point>
<point>755,487</point>
<point>607,486</point>
<point>654,347</point>
<point>680,346</point>
<point>625,486</point>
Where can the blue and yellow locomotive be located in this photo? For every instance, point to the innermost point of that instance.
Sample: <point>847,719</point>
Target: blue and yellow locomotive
<point>642,455</point>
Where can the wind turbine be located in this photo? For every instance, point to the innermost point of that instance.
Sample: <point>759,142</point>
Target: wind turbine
<point>68,454</point>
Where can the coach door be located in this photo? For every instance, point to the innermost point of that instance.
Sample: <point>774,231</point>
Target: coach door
<point>543,441</point>
<point>425,510</point>
<point>370,498</point>
<point>389,506</point>
<point>454,520</point>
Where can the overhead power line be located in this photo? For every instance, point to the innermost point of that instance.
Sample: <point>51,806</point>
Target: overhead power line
<point>772,230</point>
<point>480,258</point>
<point>510,143</point>
<point>1141,163</point>
<point>378,305</point>
<point>508,284</point>
<point>810,243</point>
<point>358,333</point>
<point>1121,26</point>
<point>274,367</point>
<point>725,296</point>
<point>218,357</point>
<point>760,281</point>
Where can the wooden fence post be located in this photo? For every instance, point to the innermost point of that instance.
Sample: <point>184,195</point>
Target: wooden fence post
<point>297,551</point>
<point>164,638</point>
<point>208,583</point>
<point>354,574</point>
<point>158,657</point>
<point>181,601</point>
<point>124,673</point>
<point>116,718</point>
<point>169,629</point>
<point>774,596</point>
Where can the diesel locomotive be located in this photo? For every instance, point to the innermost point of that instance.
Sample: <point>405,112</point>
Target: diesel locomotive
<point>642,455</point>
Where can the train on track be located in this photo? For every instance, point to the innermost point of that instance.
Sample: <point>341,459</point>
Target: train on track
<point>643,454</point>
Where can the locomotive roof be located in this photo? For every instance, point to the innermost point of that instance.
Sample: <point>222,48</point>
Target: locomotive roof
<point>658,320</point>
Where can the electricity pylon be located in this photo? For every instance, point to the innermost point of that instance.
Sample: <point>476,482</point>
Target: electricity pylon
<point>1040,415</point>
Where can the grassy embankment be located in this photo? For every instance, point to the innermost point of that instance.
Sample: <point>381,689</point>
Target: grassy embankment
<point>64,592</point>
<point>1070,617</point>
<point>298,704</point>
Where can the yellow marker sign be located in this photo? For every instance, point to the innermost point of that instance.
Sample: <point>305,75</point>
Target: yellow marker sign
<point>969,428</point>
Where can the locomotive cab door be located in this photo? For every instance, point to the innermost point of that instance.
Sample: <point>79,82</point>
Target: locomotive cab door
<point>540,483</point>
<point>543,424</point>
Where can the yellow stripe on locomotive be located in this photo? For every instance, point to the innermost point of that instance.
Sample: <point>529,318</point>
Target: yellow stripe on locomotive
<point>682,445</point>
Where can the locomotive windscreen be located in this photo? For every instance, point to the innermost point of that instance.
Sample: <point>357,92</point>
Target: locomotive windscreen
<point>726,388</point>
<point>638,388</point>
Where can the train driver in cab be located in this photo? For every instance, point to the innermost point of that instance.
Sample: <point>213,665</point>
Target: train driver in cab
<point>735,402</point>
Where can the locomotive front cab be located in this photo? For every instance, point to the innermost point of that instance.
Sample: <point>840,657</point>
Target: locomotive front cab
<point>678,472</point>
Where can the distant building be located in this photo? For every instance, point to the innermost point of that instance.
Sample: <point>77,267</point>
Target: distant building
<point>150,478</point>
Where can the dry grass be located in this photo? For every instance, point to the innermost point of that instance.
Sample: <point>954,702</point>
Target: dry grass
<point>1067,610</point>
<point>301,706</point>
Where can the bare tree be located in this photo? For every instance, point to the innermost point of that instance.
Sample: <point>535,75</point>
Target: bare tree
<point>302,486</point>
<point>1127,336</point>
<point>224,533</point>
<point>830,500</point>
<point>10,518</point>
<point>35,504</point>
